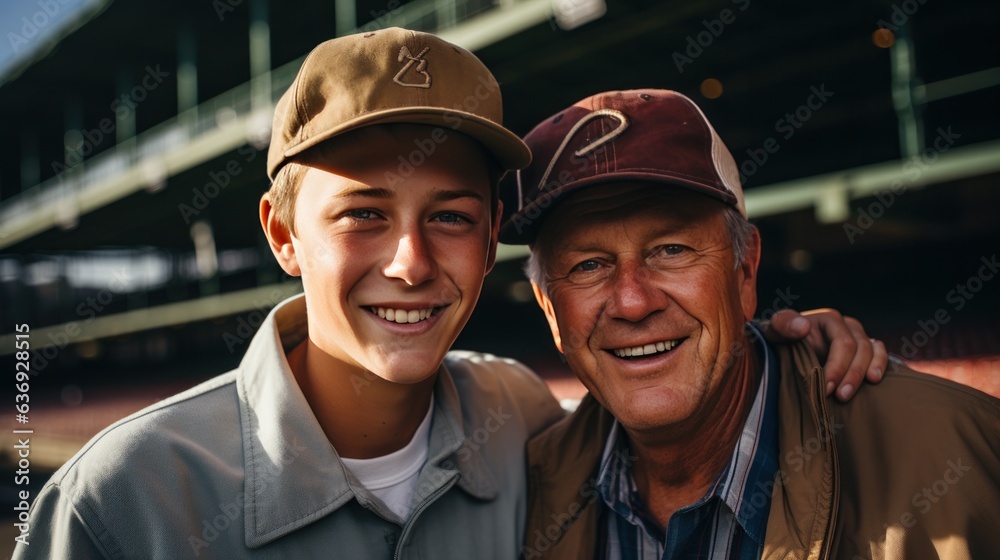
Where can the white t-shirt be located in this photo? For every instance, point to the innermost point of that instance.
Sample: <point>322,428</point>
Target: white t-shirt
<point>393,477</point>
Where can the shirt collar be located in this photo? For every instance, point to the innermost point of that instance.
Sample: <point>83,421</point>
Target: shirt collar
<point>748,481</point>
<point>745,485</point>
<point>614,478</point>
<point>293,475</point>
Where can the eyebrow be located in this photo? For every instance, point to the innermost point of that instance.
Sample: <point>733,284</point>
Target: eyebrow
<point>387,194</point>
<point>446,195</point>
<point>597,247</point>
<point>366,192</point>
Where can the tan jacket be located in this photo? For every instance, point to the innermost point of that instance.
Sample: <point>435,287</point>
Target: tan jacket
<point>912,471</point>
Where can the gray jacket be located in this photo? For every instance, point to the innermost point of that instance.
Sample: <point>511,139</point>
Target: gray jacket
<point>238,467</point>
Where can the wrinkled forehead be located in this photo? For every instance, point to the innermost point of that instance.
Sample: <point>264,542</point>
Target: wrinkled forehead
<point>625,203</point>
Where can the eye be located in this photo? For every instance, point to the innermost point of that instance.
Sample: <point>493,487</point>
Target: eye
<point>451,218</point>
<point>361,214</point>
<point>670,256</point>
<point>588,272</point>
<point>587,266</point>
<point>668,251</point>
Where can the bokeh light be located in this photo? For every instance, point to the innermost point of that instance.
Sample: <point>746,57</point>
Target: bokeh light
<point>711,88</point>
<point>883,38</point>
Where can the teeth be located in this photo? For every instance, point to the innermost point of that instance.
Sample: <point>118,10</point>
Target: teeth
<point>647,349</point>
<point>401,315</point>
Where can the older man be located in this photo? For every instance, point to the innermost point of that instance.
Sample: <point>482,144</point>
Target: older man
<point>698,438</point>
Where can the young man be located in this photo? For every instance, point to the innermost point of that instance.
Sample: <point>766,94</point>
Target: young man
<point>348,430</point>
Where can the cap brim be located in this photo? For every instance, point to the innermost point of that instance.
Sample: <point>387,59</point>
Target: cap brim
<point>522,228</point>
<point>506,147</point>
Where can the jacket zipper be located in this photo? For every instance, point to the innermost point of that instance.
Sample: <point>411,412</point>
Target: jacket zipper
<point>407,529</point>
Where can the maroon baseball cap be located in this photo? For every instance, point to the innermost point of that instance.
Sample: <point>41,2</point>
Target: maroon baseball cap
<point>645,135</point>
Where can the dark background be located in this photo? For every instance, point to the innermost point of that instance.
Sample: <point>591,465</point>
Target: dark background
<point>895,276</point>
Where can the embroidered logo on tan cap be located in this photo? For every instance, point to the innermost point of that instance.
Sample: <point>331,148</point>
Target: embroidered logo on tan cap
<point>421,67</point>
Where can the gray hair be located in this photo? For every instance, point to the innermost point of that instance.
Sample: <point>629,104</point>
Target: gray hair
<point>739,229</point>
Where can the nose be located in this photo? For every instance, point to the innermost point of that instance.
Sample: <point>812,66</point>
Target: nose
<point>634,296</point>
<point>413,261</point>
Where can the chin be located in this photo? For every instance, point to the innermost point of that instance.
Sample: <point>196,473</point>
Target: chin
<point>651,408</point>
<point>407,368</point>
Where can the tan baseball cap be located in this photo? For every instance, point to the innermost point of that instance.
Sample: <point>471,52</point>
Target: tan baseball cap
<point>391,76</point>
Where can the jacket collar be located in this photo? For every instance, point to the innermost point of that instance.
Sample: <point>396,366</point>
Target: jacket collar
<point>754,464</point>
<point>806,490</point>
<point>293,475</point>
<point>562,478</point>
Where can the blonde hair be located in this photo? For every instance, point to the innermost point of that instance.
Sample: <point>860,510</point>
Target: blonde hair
<point>283,192</point>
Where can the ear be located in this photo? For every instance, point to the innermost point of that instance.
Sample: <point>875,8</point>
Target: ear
<point>279,238</point>
<point>546,304</point>
<point>747,276</point>
<point>491,258</point>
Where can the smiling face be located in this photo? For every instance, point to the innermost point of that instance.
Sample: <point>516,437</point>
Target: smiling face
<point>392,256</point>
<point>644,300</point>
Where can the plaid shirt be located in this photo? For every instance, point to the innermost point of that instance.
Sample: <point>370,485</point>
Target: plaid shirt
<point>728,522</point>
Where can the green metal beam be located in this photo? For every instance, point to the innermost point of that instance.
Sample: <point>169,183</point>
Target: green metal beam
<point>262,298</point>
<point>928,168</point>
